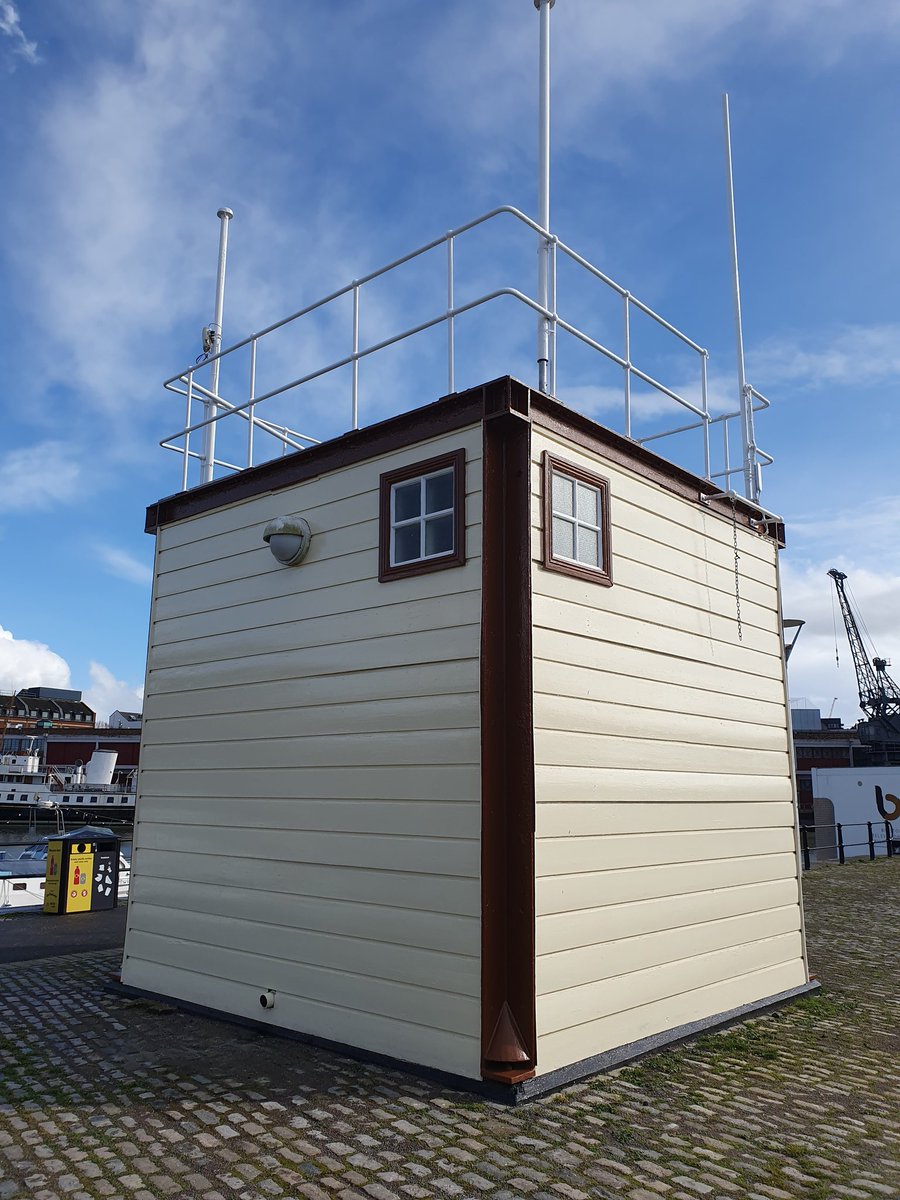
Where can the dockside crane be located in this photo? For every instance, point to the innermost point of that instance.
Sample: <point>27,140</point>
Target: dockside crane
<point>879,696</point>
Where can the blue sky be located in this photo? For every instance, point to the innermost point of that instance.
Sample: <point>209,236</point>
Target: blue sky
<point>343,135</point>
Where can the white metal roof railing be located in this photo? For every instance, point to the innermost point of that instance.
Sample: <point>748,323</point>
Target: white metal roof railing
<point>216,407</point>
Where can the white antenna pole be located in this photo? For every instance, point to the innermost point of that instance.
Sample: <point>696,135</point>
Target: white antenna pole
<point>543,337</point>
<point>751,471</point>
<point>208,458</point>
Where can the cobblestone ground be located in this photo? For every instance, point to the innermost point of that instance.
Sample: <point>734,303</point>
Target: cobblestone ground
<point>106,1097</point>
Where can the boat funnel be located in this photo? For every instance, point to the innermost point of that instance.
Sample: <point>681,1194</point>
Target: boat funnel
<point>99,771</point>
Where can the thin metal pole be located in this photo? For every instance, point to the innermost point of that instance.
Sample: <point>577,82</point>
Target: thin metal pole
<point>889,838</point>
<point>704,404</point>
<point>839,829</point>
<point>543,336</point>
<point>871,841</point>
<point>804,845</point>
<point>187,436</point>
<point>555,326</point>
<point>751,475</point>
<point>208,458</point>
<point>354,403</point>
<point>627,357</point>
<point>451,354</point>
<point>250,411</point>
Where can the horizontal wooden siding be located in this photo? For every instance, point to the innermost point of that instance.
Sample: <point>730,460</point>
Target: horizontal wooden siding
<point>308,817</point>
<point>666,869</point>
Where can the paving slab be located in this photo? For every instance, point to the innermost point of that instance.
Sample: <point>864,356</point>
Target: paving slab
<point>25,935</point>
<point>107,1096</point>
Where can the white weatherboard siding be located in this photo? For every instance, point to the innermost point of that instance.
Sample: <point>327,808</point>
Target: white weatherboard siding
<point>667,886</point>
<point>308,812</point>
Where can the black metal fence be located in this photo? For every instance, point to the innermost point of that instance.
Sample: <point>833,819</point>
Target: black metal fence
<point>842,844</point>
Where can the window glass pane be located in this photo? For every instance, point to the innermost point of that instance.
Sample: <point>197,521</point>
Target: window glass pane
<point>439,535</point>
<point>588,547</point>
<point>562,494</point>
<point>563,538</point>
<point>407,500</point>
<point>407,543</point>
<point>439,492</point>
<point>588,504</point>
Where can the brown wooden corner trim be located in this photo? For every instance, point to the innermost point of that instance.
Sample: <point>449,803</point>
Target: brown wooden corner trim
<point>508,1021</point>
<point>457,557</point>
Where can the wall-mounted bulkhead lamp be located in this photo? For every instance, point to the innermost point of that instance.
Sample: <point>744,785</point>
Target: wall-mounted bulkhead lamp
<point>796,625</point>
<point>288,538</point>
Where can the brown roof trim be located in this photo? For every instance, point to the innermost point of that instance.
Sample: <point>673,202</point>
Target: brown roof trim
<point>503,395</point>
<point>549,414</point>
<point>508,1021</point>
<point>444,416</point>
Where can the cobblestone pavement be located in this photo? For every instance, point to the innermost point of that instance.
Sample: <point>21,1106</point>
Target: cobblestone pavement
<point>102,1096</point>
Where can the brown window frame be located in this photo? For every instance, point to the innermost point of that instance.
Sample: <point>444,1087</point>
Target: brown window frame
<point>457,557</point>
<point>601,575</point>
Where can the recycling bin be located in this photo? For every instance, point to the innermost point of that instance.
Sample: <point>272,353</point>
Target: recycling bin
<point>82,871</point>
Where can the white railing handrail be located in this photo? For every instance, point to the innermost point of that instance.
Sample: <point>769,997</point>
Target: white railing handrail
<point>217,407</point>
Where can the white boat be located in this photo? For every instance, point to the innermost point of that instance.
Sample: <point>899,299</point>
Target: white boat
<point>26,782</point>
<point>23,873</point>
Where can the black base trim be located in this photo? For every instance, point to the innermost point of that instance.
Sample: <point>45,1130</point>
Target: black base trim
<point>632,1051</point>
<point>498,1092</point>
<point>511,1094</point>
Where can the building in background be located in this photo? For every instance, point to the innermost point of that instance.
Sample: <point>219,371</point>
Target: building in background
<point>125,720</point>
<point>39,708</point>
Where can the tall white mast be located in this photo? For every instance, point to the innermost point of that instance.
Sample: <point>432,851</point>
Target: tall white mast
<point>208,457</point>
<point>748,438</point>
<point>543,295</point>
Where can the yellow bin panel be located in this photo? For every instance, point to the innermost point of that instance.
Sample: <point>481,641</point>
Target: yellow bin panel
<point>52,879</point>
<point>80,883</point>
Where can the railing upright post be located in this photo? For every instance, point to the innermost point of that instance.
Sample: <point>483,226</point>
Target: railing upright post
<point>252,408</point>
<point>451,352</point>
<point>804,843</point>
<point>889,838</point>
<point>704,404</point>
<point>355,397</point>
<point>627,357</point>
<point>187,436</point>
<point>554,323</point>
<point>839,830</point>
<point>871,841</point>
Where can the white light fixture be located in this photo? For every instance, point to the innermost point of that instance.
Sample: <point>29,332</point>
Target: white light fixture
<point>288,538</point>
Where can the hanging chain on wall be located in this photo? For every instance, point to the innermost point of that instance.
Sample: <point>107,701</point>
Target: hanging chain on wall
<point>737,570</point>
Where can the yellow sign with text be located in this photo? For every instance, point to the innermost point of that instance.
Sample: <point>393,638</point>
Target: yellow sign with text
<point>80,882</point>
<point>52,878</point>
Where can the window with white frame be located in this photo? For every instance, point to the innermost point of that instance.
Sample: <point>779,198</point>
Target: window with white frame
<point>576,521</point>
<point>422,517</point>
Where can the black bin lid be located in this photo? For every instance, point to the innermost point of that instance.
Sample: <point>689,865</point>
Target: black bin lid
<point>99,834</point>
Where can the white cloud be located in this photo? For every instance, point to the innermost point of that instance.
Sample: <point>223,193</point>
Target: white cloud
<point>123,565</point>
<point>29,664</point>
<point>11,27</point>
<point>106,693</point>
<point>855,355</point>
<point>869,527</point>
<point>39,477</point>
<point>618,52</point>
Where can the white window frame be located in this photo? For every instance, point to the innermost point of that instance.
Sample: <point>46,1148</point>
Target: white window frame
<point>423,518</point>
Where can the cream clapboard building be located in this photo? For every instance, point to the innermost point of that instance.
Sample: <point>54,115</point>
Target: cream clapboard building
<point>496,781</point>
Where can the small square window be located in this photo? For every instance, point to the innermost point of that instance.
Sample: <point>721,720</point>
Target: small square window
<point>422,517</point>
<point>576,521</point>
